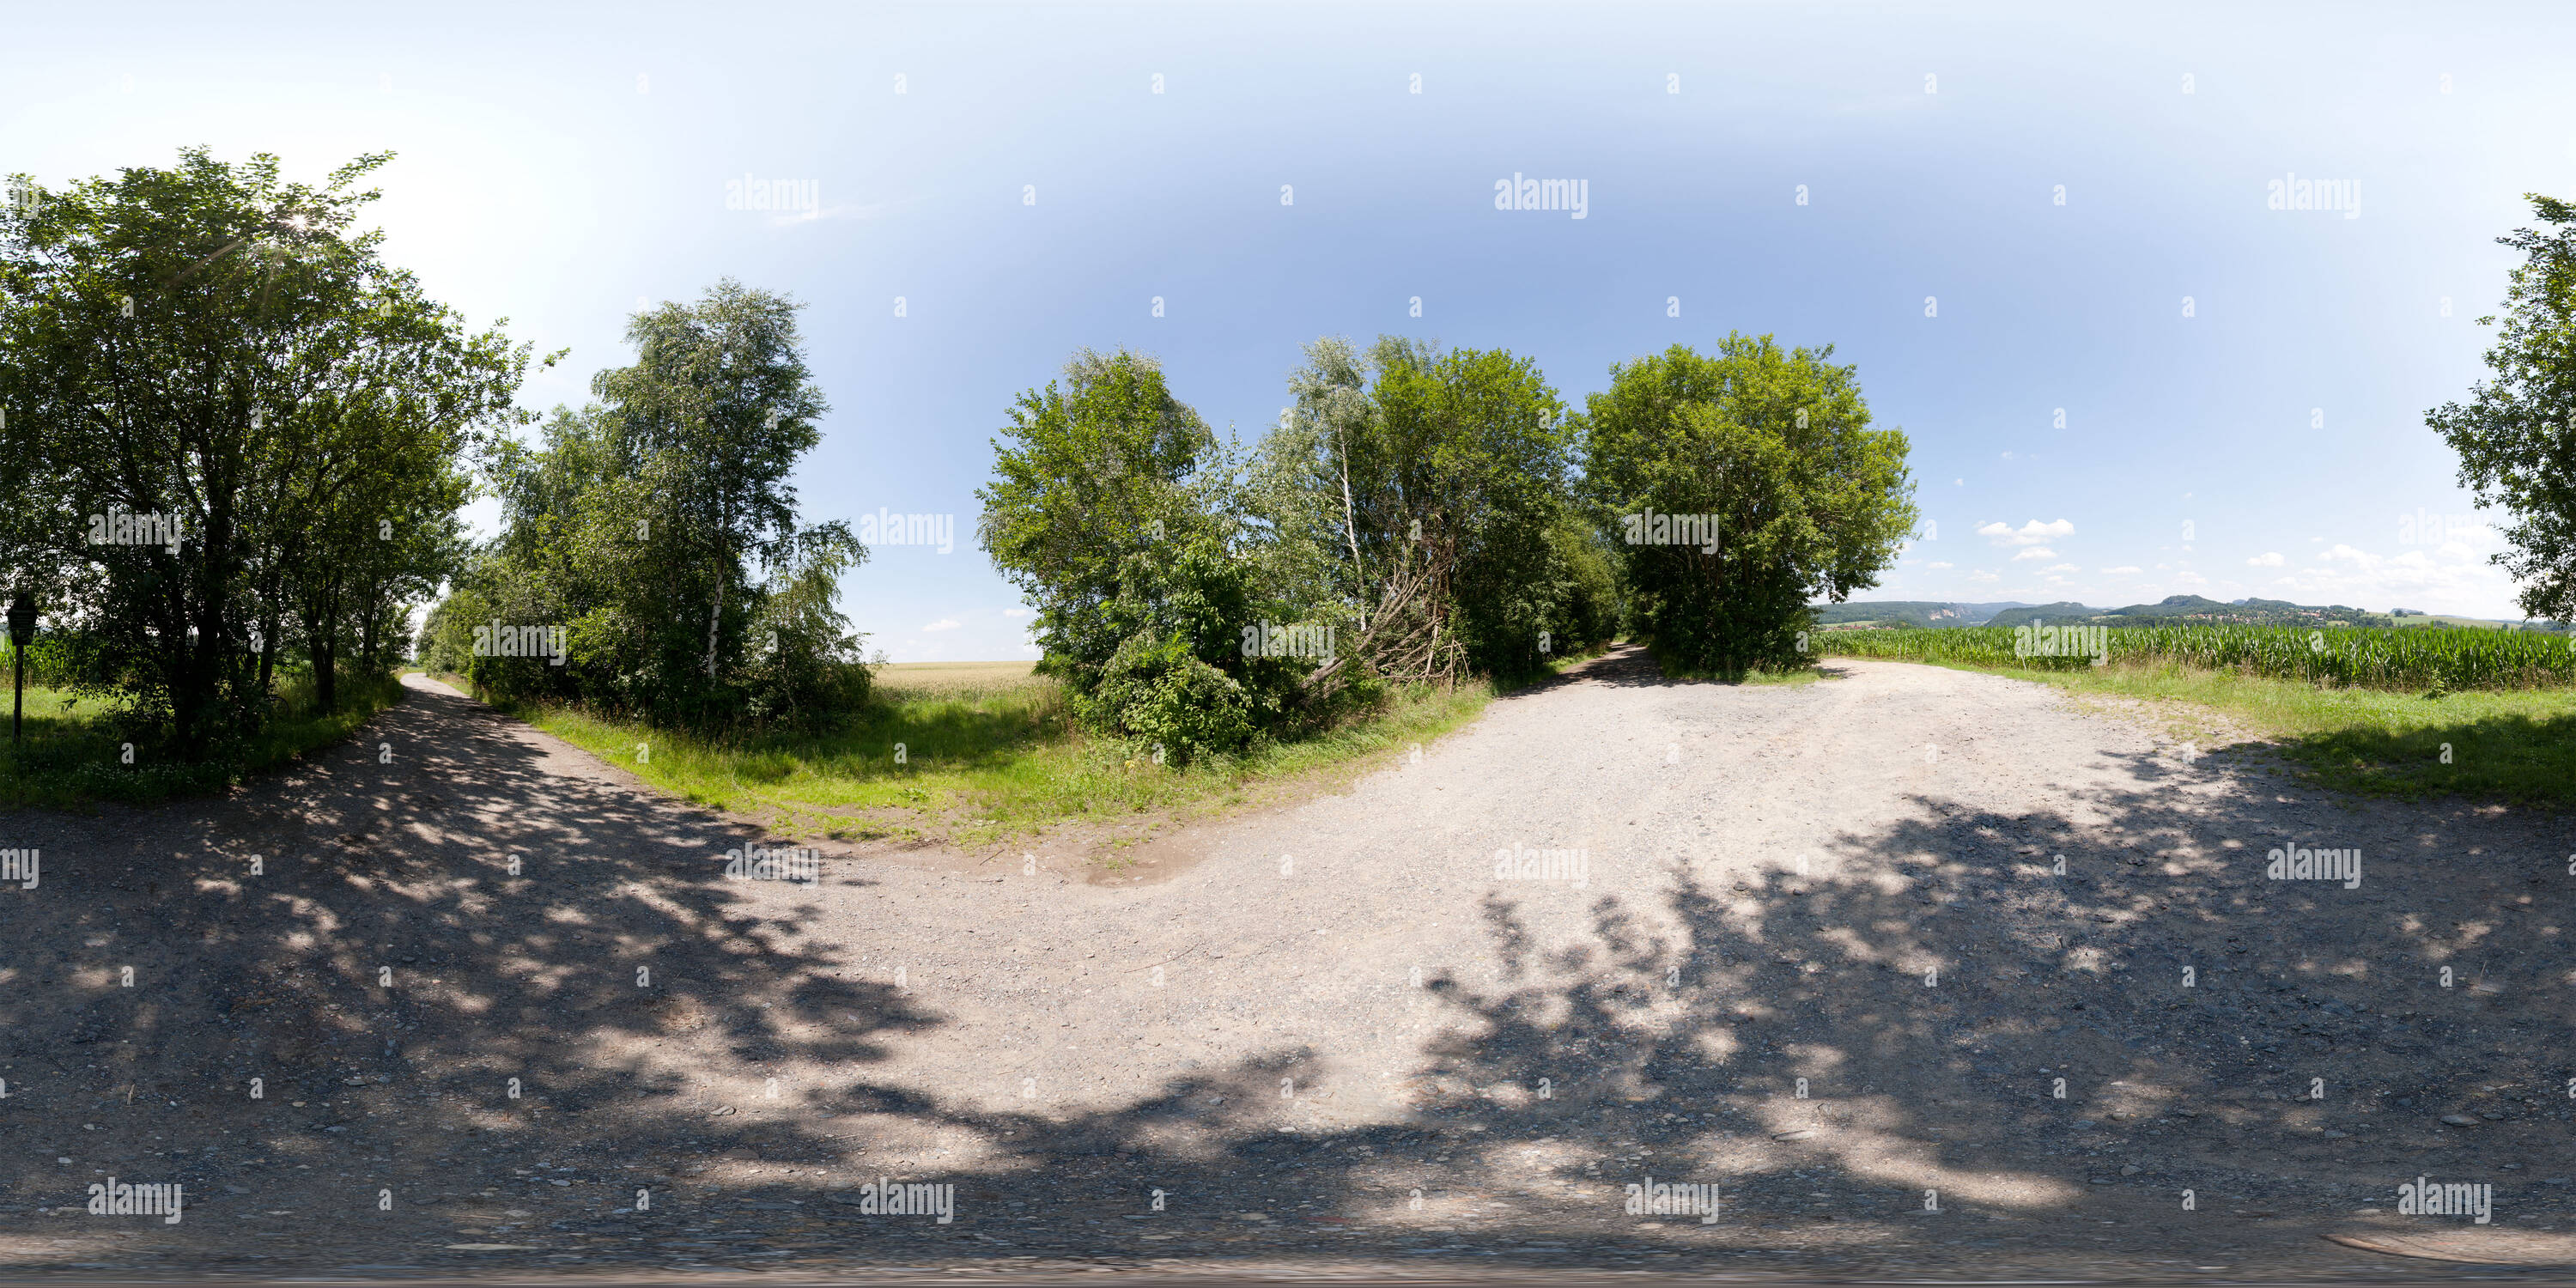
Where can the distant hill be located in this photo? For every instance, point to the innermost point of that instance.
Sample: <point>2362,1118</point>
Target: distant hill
<point>1911,612</point>
<point>2184,610</point>
<point>2196,610</point>
<point>2057,612</point>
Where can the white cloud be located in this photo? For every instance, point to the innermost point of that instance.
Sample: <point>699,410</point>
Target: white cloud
<point>2267,559</point>
<point>2124,568</point>
<point>1936,565</point>
<point>943,624</point>
<point>2035,552</point>
<point>2449,579</point>
<point>1016,612</point>
<point>2028,534</point>
<point>1983,576</point>
<point>2061,568</point>
<point>2189,578</point>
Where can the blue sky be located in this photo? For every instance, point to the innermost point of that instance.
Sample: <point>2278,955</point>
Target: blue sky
<point>559,163</point>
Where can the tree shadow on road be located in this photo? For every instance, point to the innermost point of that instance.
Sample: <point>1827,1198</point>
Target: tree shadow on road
<point>428,927</point>
<point>1827,1042</point>
<point>2005,1017</point>
<point>1633,666</point>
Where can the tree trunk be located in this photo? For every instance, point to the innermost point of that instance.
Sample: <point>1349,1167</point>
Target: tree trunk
<point>1351,529</point>
<point>714,615</point>
<point>267,659</point>
<point>214,562</point>
<point>326,654</point>
<point>367,634</point>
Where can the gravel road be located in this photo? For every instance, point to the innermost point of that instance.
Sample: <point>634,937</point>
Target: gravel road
<point>1811,944</point>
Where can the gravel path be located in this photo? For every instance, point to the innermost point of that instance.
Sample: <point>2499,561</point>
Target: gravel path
<point>1438,1023</point>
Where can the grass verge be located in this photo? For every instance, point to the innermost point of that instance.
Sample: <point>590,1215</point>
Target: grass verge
<point>987,752</point>
<point>72,756</point>
<point>2511,745</point>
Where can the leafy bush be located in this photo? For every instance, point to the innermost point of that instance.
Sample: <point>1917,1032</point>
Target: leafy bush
<point>1585,607</point>
<point>658,531</point>
<point>1156,690</point>
<point>1771,448</point>
<point>1114,510</point>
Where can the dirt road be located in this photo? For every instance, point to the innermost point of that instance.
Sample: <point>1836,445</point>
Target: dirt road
<point>1811,945</point>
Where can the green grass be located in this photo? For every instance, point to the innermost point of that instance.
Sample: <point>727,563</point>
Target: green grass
<point>73,758</point>
<point>2510,745</point>
<point>989,753</point>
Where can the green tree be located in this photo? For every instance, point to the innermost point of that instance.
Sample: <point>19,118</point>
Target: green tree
<point>446,641</point>
<point>1584,605</point>
<point>223,354</point>
<point>659,530</point>
<point>1117,514</point>
<point>1419,488</point>
<point>1100,468</point>
<point>377,491</point>
<point>2517,434</point>
<point>716,411</point>
<point>1801,498</point>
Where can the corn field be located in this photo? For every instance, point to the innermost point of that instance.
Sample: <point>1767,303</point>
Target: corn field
<point>2414,658</point>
